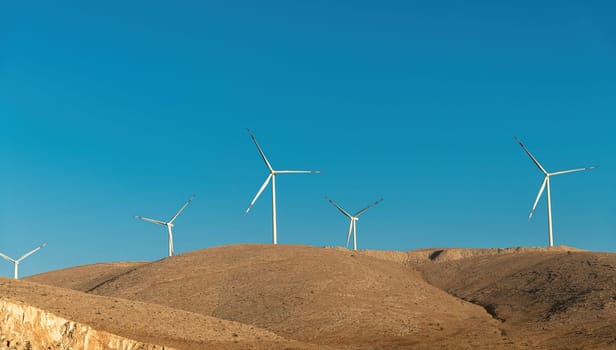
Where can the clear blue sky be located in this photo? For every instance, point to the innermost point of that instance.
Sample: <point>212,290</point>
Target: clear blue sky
<point>112,109</point>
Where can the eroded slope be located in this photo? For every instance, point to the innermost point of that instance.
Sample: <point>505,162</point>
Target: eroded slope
<point>148,323</point>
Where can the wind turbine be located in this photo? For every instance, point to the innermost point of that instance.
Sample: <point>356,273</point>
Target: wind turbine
<point>168,224</point>
<point>546,183</point>
<point>16,262</point>
<point>353,218</point>
<point>272,177</point>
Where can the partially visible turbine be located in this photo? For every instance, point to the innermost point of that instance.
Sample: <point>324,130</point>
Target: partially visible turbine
<point>353,218</point>
<point>16,262</point>
<point>272,177</point>
<point>546,183</point>
<point>168,224</point>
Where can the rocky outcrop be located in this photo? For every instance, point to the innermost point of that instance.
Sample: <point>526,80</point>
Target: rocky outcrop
<point>26,327</point>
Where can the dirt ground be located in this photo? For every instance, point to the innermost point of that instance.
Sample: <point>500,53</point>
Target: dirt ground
<point>518,298</point>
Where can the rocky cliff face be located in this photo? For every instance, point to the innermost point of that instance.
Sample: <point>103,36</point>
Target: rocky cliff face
<point>26,327</point>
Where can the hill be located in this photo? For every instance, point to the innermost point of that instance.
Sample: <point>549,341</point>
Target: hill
<point>452,298</point>
<point>148,323</point>
<point>557,298</point>
<point>85,277</point>
<point>324,296</point>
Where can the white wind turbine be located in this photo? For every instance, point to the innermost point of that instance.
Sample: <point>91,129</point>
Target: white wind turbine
<point>546,183</point>
<point>16,262</point>
<point>168,224</point>
<point>272,177</point>
<point>353,218</point>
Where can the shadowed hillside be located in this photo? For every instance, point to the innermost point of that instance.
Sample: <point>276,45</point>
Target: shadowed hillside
<point>554,298</point>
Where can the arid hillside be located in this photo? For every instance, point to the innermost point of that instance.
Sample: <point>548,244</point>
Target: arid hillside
<point>86,277</point>
<point>516,298</point>
<point>557,298</point>
<point>325,296</point>
<point>148,323</point>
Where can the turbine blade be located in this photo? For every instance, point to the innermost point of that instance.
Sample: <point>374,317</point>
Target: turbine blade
<point>339,208</point>
<point>182,209</point>
<point>368,207</point>
<point>349,235</point>
<point>7,258</point>
<point>254,139</point>
<point>531,156</point>
<point>158,222</point>
<point>269,177</point>
<point>545,181</point>
<point>298,171</point>
<point>572,170</point>
<point>32,252</point>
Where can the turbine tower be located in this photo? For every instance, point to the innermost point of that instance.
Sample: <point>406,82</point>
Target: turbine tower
<point>272,177</point>
<point>16,262</point>
<point>168,224</point>
<point>353,218</point>
<point>546,183</point>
